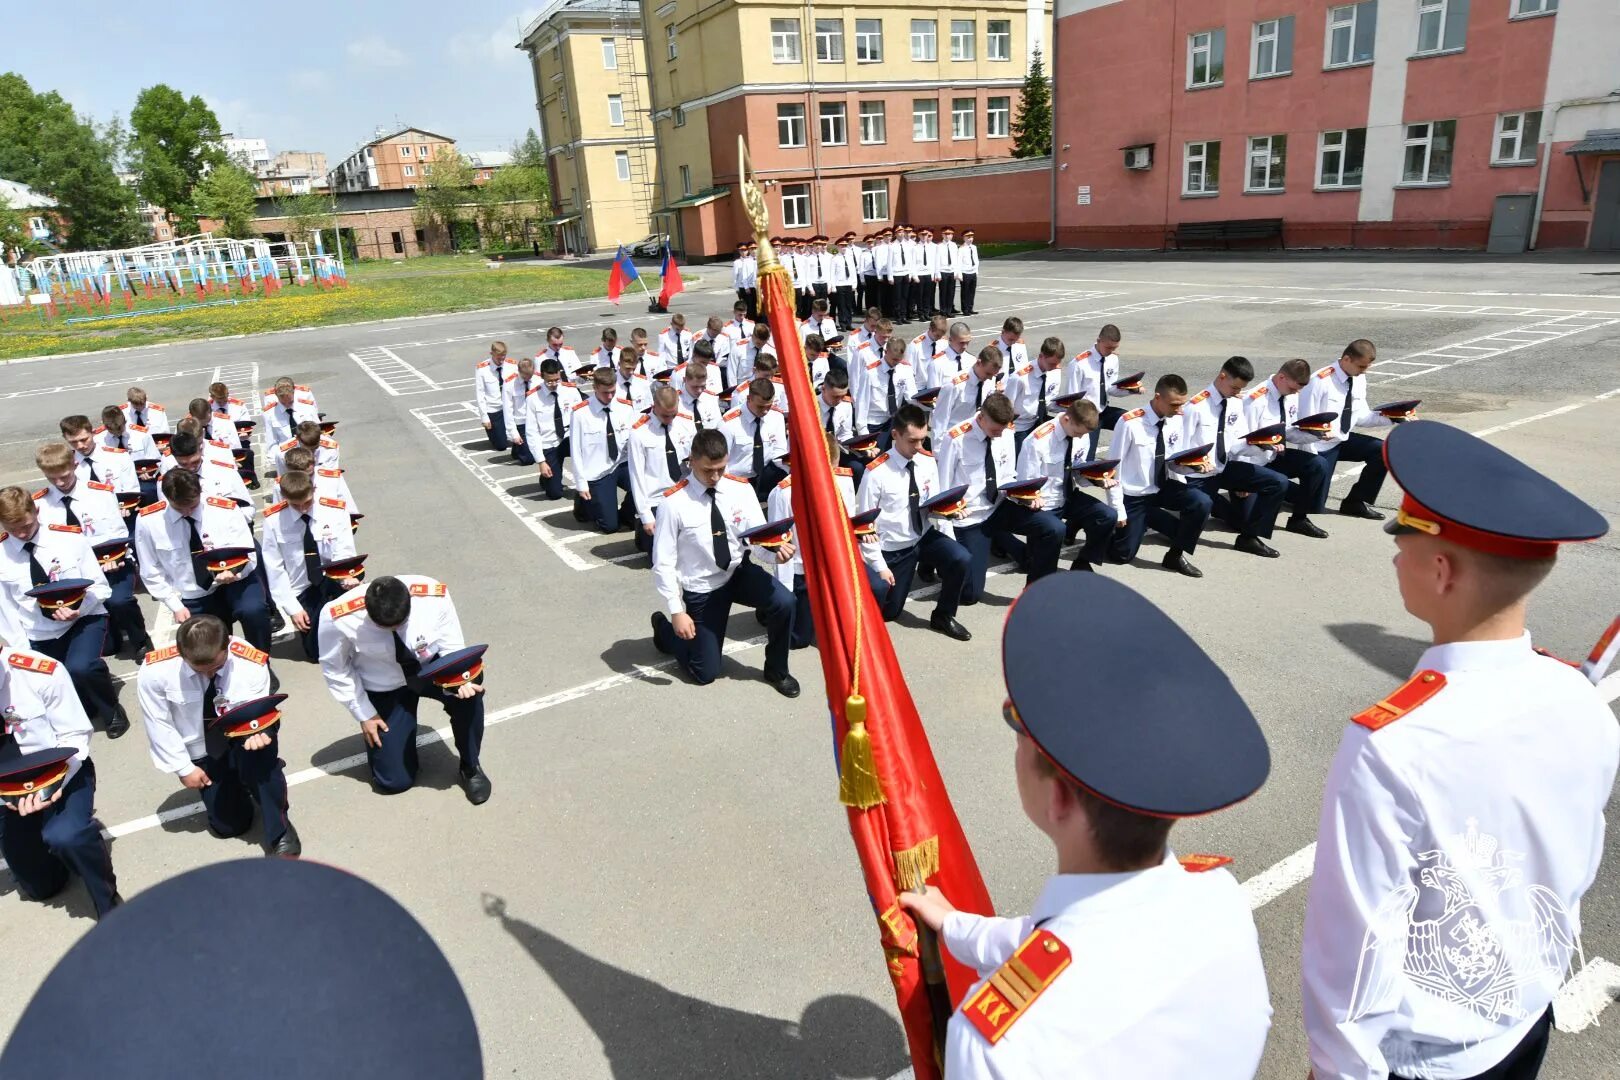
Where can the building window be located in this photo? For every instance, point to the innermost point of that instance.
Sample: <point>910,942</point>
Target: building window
<point>1273,51</point>
<point>998,39</point>
<point>1442,25</point>
<point>874,122</point>
<point>562,105</point>
<point>679,115</point>
<point>405,152</point>
<point>1268,159</point>
<point>1522,8</point>
<point>785,41</point>
<point>924,120</point>
<point>874,200</point>
<point>1201,168</point>
<point>790,125</point>
<point>671,49</point>
<point>1339,156</point>
<point>421,151</point>
<point>427,170</point>
<point>1428,152</point>
<point>998,117</point>
<point>834,123</point>
<point>962,110</point>
<point>924,40</point>
<point>616,110</point>
<point>869,40</point>
<point>410,170</point>
<point>399,242</point>
<point>1350,31</point>
<point>621,161</point>
<point>686,180</point>
<point>610,55</point>
<point>1206,58</point>
<point>963,32</point>
<point>795,206</point>
<point>1516,136</point>
<point>830,40</point>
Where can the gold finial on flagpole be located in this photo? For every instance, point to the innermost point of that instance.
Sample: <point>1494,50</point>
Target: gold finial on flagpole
<point>753,198</point>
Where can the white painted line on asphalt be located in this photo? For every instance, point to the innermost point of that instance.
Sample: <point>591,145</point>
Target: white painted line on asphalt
<point>1496,309</point>
<point>1581,999</point>
<point>1277,879</point>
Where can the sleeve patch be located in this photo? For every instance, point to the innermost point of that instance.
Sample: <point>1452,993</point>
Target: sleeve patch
<point>27,662</point>
<point>436,589</point>
<point>248,652</point>
<point>1417,690</point>
<point>1016,985</point>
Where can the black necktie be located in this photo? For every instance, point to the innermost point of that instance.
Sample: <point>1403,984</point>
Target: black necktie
<point>198,568</point>
<point>1102,383</point>
<point>978,395</point>
<point>989,470</point>
<point>93,474</point>
<point>409,663</point>
<point>214,744</point>
<point>759,448</point>
<point>612,436</point>
<point>1041,413</point>
<point>1161,470</point>
<point>671,458</point>
<point>891,403</point>
<point>1282,408</point>
<point>312,553</point>
<point>67,507</point>
<point>1349,398</point>
<point>35,571</point>
<point>717,524</point>
<point>140,418</point>
<point>556,412</point>
<point>121,445</point>
<point>831,409</point>
<point>1068,466</point>
<point>1220,433</point>
<point>913,498</point>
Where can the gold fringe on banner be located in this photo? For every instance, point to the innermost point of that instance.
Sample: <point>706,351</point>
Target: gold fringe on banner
<point>858,783</point>
<point>915,865</point>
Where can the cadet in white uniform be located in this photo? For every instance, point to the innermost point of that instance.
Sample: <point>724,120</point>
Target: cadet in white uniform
<point>743,279</point>
<point>144,413</point>
<point>1034,387</point>
<point>1463,815</point>
<point>557,350</point>
<point>674,344</point>
<point>779,507</point>
<point>1133,963</point>
<point>98,461</point>
<point>1215,417</point>
<point>698,401</point>
<point>302,533</point>
<point>374,641</point>
<point>227,411</point>
<point>1144,440</point>
<point>925,348</point>
<point>1055,451</point>
<point>887,382</point>
<point>596,442</point>
<point>967,271</point>
<point>630,385</point>
<point>757,436</point>
<point>1094,373</point>
<point>962,394</point>
<point>1274,402</point>
<point>489,378</point>
<point>657,448</point>
<point>285,407</point>
<point>1341,389</point>
<point>550,418</point>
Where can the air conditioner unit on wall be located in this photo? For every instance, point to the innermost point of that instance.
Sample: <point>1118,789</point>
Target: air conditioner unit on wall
<point>1138,157</point>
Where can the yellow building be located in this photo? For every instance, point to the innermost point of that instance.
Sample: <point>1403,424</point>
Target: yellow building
<point>590,86</point>
<point>837,102</point>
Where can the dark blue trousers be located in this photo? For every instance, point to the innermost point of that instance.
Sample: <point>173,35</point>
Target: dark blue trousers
<point>1365,449</point>
<point>238,779</point>
<point>1096,519</point>
<point>1177,511</point>
<point>242,601</point>
<point>312,599</point>
<point>521,451</point>
<point>605,507</point>
<point>804,628</point>
<point>937,550</point>
<point>394,764</point>
<point>552,486</point>
<point>1257,514</point>
<point>1312,474</point>
<point>246,465</point>
<point>751,586</point>
<point>80,651</point>
<point>1043,540</point>
<point>43,848</point>
<point>127,626</point>
<point>497,429</point>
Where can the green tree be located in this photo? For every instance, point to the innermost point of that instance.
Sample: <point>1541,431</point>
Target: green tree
<point>530,151</point>
<point>304,215</point>
<point>176,142</point>
<point>228,194</point>
<point>443,197</point>
<point>1032,131</point>
<point>512,196</point>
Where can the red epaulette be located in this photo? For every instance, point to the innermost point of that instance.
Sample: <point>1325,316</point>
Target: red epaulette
<point>1260,393</point>
<point>1045,429</point>
<point>739,479</point>
<point>1325,372</point>
<point>732,415</point>
<point>329,473</point>
<point>248,652</point>
<point>336,504</point>
<point>275,508</point>
<point>157,656</point>
<point>1197,864</point>
<point>961,429</point>
<point>880,459</point>
<point>1026,369</point>
<point>40,494</point>
<point>841,470</point>
<point>436,589</point>
<point>580,405</point>
<point>1199,398</point>
<point>1016,985</point>
<point>154,508</point>
<point>785,483</point>
<point>223,504</point>
<point>27,662</point>
<point>638,423</point>
<point>672,490</point>
<point>75,529</point>
<point>329,444</point>
<point>348,607</point>
<point>1414,692</point>
<point>1134,414</point>
<point>113,450</point>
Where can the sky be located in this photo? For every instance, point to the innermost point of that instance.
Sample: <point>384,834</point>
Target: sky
<point>301,75</point>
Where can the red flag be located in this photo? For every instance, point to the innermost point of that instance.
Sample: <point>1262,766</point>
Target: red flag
<point>671,274</point>
<point>904,827</point>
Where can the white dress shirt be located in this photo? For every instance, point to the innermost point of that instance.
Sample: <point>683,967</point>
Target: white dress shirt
<point>1043,455</point>
<point>739,331</point>
<point>358,655</point>
<point>961,461</point>
<point>945,256</point>
<point>634,390</point>
<point>1165,981</point>
<point>283,546</point>
<point>780,505</point>
<point>1026,389</point>
<point>1086,373</point>
<point>837,418</point>
<point>673,349</point>
<point>959,399</point>
<point>705,410</point>
<point>649,460</point>
<point>329,484</point>
<point>1263,407</point>
<point>517,400</point>
<point>327,453</point>
<point>152,416</point>
<point>883,261</point>
<point>171,694</point>
<point>568,358</point>
<point>62,552</point>
<point>488,379</point>
<point>100,517</point>
<point>823,326</point>
<point>41,709</point>
<point>1135,444</point>
<point>1325,392</point>
<point>141,445</point>
<point>887,486</point>
<point>1453,849</point>
<point>302,395</point>
<point>109,466</point>
<point>163,547</point>
<point>281,421</point>
<point>545,410</point>
<point>872,397</point>
<point>588,444</point>
<point>1015,355</point>
<point>1201,420</point>
<point>922,349</point>
<point>739,273</point>
<point>968,258</point>
<point>865,263</point>
<point>946,363</point>
<point>683,541</point>
<point>739,427</point>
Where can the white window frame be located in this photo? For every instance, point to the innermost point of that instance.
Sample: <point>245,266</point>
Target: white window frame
<point>405,152</point>
<point>1260,37</point>
<point>832,123</point>
<point>874,198</point>
<point>998,40</point>
<point>960,130</point>
<point>793,137</point>
<point>1426,141</point>
<point>1207,48</point>
<point>1438,14</point>
<point>421,151</point>
<point>1265,146</point>
<point>1198,153</point>
<point>1338,142</point>
<point>796,197</point>
<point>998,108</point>
<point>621,165</point>
<point>1513,126</point>
<point>924,114</point>
<point>868,42</point>
<point>1345,17</point>
<point>829,41</point>
<point>610,54</point>
<point>686,180</point>
<point>410,170</point>
<point>964,43</point>
<point>1533,9</point>
<point>874,116</point>
<point>672,47</point>
<point>786,48</point>
<point>925,40</point>
<point>615,103</point>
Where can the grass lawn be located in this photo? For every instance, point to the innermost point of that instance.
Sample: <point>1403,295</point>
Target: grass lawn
<point>377,290</point>
<point>990,251</point>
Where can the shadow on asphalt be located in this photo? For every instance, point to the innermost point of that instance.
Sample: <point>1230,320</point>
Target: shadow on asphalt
<point>650,1032</point>
<point>628,655</point>
<point>1393,654</point>
<point>438,766</point>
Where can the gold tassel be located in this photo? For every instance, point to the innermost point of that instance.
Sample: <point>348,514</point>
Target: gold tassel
<point>858,784</point>
<point>914,866</point>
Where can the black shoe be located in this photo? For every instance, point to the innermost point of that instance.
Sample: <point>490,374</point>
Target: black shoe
<point>949,627</point>
<point>118,726</point>
<point>1178,562</point>
<point>288,847</point>
<point>1357,509</point>
<point>660,627</point>
<point>1253,545</point>
<point>1304,526</point>
<point>142,649</point>
<point>477,786</point>
<point>277,623</point>
<point>253,484</point>
<point>783,683</point>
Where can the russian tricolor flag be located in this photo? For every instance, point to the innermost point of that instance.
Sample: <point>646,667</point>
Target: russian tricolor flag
<point>622,274</point>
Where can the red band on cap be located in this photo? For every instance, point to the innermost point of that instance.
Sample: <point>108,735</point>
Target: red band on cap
<point>1511,547</point>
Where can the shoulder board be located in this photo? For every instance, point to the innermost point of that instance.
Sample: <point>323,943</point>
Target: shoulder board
<point>1197,864</point>
<point>219,443</point>
<point>329,444</point>
<point>739,479</point>
<point>1549,654</point>
<point>733,414</point>
<point>155,405</point>
<point>1417,690</point>
<point>437,589</point>
<point>40,494</point>
<point>1026,369</point>
<point>926,453</point>
<point>248,652</point>
<point>623,401</point>
<point>511,378</point>
<point>102,430</point>
<point>918,338</point>
<point>67,529</point>
<point>1015,986</point>
<point>157,656</point>
<point>841,470</point>
<point>578,405</point>
<point>683,415</point>
<point>1045,429</point>
<point>787,482</point>
<point>483,363</point>
<point>1325,372</point>
<point>962,378</point>
<point>1260,393</point>
<point>25,662</point>
<point>349,607</point>
<point>530,390</point>
<point>672,490</point>
<point>639,375</point>
<point>275,508</point>
<point>138,427</point>
<point>1134,414</point>
<point>962,429</point>
<point>330,473</point>
<point>113,450</point>
<point>223,504</point>
<point>1083,356</point>
<point>336,504</point>
<point>880,459</point>
<point>288,445</point>
<point>1198,398</point>
<point>872,364</point>
<point>154,508</point>
<point>301,386</point>
<point>639,423</point>
<point>778,409</point>
<point>233,401</point>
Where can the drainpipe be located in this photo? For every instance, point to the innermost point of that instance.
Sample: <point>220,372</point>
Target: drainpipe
<point>812,120</point>
<point>1549,129</point>
<point>1052,83</point>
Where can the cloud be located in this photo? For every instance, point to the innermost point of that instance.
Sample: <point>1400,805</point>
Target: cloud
<point>482,47</point>
<point>374,52</point>
<point>310,80</point>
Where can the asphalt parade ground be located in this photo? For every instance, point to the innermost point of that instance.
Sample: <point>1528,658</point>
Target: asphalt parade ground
<point>662,885</point>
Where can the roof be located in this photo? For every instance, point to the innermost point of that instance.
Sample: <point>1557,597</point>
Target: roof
<point>22,197</point>
<point>988,168</point>
<point>559,12</point>
<point>1606,141</point>
<point>402,131</point>
<point>488,159</point>
<point>700,199</point>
